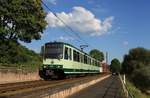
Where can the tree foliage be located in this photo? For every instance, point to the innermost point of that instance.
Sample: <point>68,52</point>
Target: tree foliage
<point>137,58</point>
<point>97,54</point>
<point>136,65</point>
<point>115,66</point>
<point>141,78</point>
<point>12,52</point>
<point>22,20</point>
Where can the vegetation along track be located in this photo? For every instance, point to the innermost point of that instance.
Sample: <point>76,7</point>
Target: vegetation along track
<point>31,86</point>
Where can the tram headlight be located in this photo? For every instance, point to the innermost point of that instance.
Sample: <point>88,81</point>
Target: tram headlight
<point>44,66</point>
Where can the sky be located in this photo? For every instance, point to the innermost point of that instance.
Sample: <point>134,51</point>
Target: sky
<point>112,26</point>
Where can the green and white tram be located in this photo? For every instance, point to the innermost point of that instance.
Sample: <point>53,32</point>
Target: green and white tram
<point>62,59</point>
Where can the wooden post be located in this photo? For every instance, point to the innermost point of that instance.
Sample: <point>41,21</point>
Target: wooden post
<point>124,79</point>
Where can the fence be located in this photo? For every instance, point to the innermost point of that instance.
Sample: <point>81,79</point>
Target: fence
<point>125,88</point>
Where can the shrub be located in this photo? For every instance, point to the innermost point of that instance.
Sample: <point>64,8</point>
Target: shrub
<point>141,78</point>
<point>136,58</point>
<point>13,53</point>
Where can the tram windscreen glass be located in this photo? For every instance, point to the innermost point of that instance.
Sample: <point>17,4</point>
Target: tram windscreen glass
<point>54,51</point>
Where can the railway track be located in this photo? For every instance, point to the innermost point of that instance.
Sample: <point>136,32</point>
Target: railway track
<point>18,90</point>
<point>6,88</point>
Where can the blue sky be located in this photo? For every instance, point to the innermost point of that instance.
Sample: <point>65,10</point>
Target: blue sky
<point>117,25</point>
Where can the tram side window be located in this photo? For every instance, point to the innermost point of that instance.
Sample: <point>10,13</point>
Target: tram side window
<point>74,55</point>
<point>66,53</point>
<point>89,61</point>
<point>82,58</point>
<point>70,54</point>
<point>78,57</point>
<point>85,59</point>
<point>92,62</point>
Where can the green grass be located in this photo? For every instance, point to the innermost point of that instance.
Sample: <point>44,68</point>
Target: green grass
<point>135,91</point>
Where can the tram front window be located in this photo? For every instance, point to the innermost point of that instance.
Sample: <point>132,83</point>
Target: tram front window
<point>54,51</point>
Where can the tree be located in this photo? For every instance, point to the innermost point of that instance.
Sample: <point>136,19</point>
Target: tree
<point>136,65</point>
<point>141,78</point>
<point>22,20</point>
<point>136,59</point>
<point>97,54</point>
<point>115,66</point>
<point>13,53</point>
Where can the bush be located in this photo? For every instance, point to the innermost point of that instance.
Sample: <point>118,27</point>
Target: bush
<point>141,78</point>
<point>14,54</point>
<point>136,59</point>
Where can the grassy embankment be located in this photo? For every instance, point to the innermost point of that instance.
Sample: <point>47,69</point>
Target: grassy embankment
<point>14,55</point>
<point>135,91</point>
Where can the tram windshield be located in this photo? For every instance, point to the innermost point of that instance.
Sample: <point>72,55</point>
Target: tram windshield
<point>53,51</point>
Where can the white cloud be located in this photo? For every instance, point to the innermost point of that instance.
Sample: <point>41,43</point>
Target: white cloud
<point>81,20</point>
<point>65,38</point>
